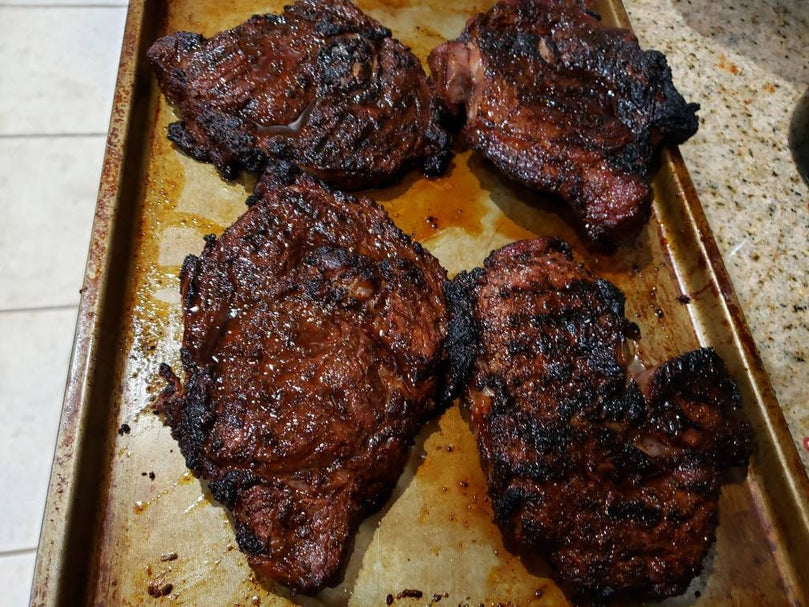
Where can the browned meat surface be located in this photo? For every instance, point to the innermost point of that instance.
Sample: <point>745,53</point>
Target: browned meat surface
<point>615,478</point>
<point>322,85</point>
<point>565,105</point>
<point>313,352</point>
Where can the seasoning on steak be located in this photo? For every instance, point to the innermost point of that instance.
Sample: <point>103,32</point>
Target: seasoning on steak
<point>614,474</point>
<point>322,85</point>
<point>565,105</point>
<point>313,352</point>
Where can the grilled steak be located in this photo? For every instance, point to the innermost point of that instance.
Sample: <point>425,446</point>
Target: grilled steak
<point>322,85</point>
<point>565,105</point>
<point>615,477</point>
<point>313,352</point>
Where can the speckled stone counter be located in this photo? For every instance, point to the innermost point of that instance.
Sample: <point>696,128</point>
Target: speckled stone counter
<point>747,63</point>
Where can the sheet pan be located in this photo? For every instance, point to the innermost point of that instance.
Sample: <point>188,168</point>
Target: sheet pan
<point>125,521</point>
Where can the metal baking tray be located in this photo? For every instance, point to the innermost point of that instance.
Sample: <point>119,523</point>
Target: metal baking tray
<point>124,519</point>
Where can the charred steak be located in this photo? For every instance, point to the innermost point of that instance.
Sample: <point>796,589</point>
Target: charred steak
<point>563,104</point>
<point>322,85</point>
<point>615,477</point>
<point>313,352</point>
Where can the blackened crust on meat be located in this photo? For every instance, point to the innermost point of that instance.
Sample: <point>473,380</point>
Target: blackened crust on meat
<point>615,478</point>
<point>566,105</point>
<point>462,332</point>
<point>322,85</point>
<point>313,351</point>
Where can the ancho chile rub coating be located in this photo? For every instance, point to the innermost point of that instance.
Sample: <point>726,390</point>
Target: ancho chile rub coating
<point>322,85</point>
<point>615,477</point>
<point>565,105</point>
<point>313,353</point>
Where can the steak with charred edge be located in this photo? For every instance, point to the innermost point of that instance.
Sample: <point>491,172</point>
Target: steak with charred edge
<point>313,353</point>
<point>322,85</point>
<point>565,105</point>
<point>616,478</point>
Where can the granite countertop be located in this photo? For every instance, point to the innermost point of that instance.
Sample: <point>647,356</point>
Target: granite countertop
<point>746,62</point>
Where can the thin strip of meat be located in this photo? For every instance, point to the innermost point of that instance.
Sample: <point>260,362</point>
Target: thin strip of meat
<point>616,478</point>
<point>313,352</point>
<point>565,105</point>
<point>322,85</point>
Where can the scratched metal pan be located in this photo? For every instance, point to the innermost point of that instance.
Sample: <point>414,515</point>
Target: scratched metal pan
<point>125,521</point>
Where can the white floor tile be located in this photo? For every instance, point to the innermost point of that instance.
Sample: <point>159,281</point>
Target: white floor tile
<point>16,574</point>
<point>45,4</point>
<point>48,190</point>
<point>34,355</point>
<point>58,68</point>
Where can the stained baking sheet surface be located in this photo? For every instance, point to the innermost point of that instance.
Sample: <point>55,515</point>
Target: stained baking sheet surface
<point>126,521</point>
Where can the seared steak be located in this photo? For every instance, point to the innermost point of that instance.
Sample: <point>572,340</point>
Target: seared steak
<point>322,85</point>
<point>563,104</point>
<point>313,352</point>
<point>616,478</point>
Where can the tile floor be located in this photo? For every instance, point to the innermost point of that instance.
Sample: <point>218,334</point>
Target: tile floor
<point>58,61</point>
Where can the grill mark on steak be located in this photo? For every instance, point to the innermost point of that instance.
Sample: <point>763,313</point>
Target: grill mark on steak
<point>564,105</point>
<point>616,477</point>
<point>322,85</point>
<point>313,352</point>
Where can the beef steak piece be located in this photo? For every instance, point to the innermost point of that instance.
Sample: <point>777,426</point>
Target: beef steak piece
<point>615,477</point>
<point>322,85</point>
<point>565,105</point>
<point>313,353</point>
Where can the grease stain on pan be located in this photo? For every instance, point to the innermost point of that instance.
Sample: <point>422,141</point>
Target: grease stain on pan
<point>423,25</point>
<point>186,478</point>
<point>424,207</point>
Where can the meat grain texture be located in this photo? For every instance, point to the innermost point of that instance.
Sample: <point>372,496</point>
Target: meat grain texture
<point>313,352</point>
<point>322,85</point>
<point>565,105</point>
<point>615,477</point>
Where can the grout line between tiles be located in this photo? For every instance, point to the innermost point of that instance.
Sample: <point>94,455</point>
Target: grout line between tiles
<point>58,308</point>
<point>47,135</point>
<point>17,552</point>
